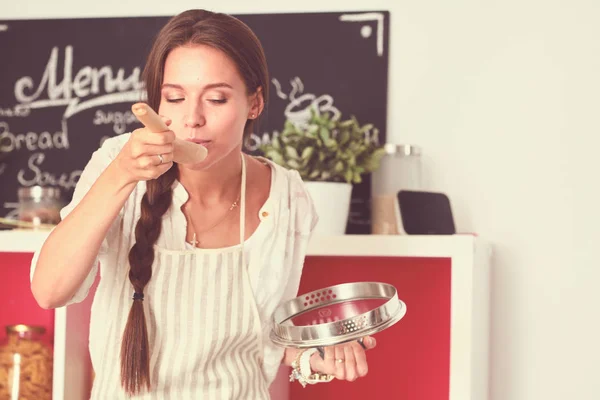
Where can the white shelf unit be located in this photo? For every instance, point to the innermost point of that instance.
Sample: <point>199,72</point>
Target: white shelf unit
<point>469,321</point>
<point>67,368</point>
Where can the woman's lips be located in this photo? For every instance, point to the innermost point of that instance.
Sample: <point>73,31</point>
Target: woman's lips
<point>200,141</point>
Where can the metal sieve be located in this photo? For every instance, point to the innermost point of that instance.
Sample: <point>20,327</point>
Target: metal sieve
<point>336,314</point>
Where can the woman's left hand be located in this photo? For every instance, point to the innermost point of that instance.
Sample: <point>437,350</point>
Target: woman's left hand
<point>347,361</point>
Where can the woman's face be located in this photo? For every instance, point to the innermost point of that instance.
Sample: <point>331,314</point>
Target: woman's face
<point>207,101</point>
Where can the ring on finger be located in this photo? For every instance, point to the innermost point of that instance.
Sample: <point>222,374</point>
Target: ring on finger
<point>160,157</point>
<point>339,360</point>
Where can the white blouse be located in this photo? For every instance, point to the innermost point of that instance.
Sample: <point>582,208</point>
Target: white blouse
<point>274,253</point>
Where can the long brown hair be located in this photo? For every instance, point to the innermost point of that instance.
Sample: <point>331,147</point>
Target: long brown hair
<point>240,44</point>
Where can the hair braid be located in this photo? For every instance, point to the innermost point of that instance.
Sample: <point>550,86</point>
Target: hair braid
<point>135,352</point>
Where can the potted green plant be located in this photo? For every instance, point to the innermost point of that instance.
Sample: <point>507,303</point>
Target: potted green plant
<point>330,156</point>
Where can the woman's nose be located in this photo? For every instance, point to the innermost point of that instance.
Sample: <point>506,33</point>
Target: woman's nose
<point>195,116</point>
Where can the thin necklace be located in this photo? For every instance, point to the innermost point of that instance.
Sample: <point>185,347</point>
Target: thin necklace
<point>194,242</point>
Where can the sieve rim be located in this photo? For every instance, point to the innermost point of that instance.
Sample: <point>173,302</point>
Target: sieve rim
<point>285,334</point>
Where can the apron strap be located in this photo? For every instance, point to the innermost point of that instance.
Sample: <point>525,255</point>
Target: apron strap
<point>257,321</point>
<point>243,209</point>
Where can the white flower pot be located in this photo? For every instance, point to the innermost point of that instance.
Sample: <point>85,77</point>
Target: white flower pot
<point>332,202</point>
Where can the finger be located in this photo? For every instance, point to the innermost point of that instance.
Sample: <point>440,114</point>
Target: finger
<point>157,171</point>
<point>143,136</point>
<point>145,149</point>
<point>360,357</point>
<point>165,137</point>
<point>163,158</point>
<point>340,367</point>
<point>329,360</point>
<point>166,120</point>
<point>318,364</point>
<point>369,342</point>
<point>154,160</point>
<point>162,168</point>
<point>351,373</point>
<point>147,137</point>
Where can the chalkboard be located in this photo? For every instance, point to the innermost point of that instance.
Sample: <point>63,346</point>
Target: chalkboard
<point>68,84</point>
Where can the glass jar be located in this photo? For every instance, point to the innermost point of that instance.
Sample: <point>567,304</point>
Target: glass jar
<point>39,206</point>
<point>400,169</point>
<point>25,364</point>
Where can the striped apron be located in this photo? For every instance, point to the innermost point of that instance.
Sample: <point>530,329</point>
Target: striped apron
<point>203,325</point>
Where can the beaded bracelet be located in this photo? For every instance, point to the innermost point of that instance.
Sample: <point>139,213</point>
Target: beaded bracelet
<point>302,373</point>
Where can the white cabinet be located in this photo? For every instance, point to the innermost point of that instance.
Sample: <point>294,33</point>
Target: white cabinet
<point>469,320</point>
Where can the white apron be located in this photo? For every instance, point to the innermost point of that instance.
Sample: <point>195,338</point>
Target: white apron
<point>203,325</point>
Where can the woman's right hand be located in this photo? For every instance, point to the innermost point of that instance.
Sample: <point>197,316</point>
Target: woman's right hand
<point>147,155</point>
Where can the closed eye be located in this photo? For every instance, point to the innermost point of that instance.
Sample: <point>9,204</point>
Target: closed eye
<point>218,101</point>
<point>174,100</point>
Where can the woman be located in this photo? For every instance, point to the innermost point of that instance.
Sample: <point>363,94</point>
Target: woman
<point>207,261</point>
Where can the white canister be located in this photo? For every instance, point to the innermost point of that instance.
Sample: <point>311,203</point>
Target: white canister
<point>400,169</point>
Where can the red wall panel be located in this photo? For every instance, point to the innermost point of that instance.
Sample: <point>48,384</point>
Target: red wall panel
<point>412,358</point>
<point>17,305</point>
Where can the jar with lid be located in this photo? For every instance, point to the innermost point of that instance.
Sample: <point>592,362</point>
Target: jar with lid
<point>39,206</point>
<point>400,169</point>
<point>25,364</point>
